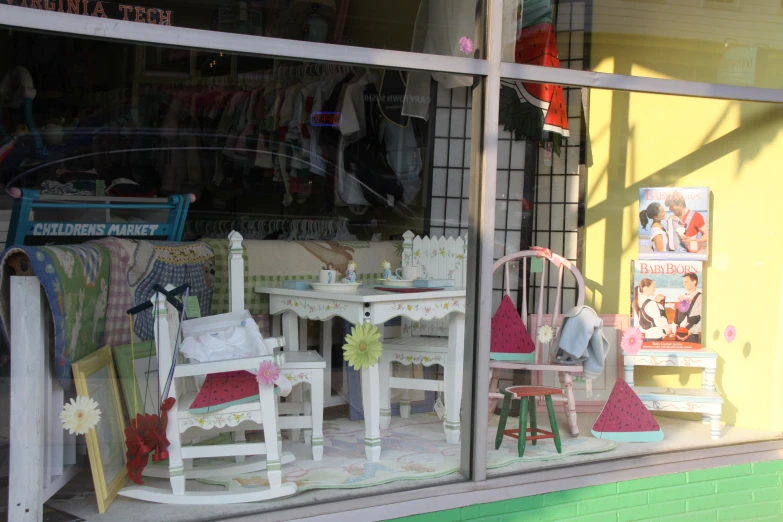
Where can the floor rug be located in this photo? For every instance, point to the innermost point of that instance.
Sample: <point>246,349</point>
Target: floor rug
<point>412,449</point>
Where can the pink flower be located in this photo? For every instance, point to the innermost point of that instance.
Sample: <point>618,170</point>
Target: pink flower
<point>466,45</point>
<point>683,306</point>
<point>730,333</point>
<point>632,340</point>
<point>268,373</point>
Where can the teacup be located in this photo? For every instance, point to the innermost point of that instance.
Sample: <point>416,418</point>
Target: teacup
<point>407,273</point>
<point>328,277</point>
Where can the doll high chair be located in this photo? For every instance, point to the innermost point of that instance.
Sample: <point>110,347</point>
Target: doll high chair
<point>182,423</point>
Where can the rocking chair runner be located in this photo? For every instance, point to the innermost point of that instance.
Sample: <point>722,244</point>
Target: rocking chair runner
<point>181,420</point>
<point>542,359</point>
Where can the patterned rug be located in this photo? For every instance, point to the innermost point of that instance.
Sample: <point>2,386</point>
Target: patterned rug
<point>413,449</point>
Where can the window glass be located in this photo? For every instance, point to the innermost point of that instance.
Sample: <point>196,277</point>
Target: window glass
<point>341,181</point>
<point>629,270</point>
<point>728,42</point>
<point>442,27</point>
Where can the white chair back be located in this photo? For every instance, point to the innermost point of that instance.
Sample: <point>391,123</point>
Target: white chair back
<point>437,258</point>
<point>553,290</point>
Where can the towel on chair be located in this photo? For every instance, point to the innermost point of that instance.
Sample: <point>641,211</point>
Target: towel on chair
<point>581,340</point>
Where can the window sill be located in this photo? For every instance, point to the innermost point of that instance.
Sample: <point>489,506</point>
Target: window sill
<point>449,496</point>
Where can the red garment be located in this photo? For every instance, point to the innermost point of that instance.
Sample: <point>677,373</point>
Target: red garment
<point>697,222</point>
<point>536,45</point>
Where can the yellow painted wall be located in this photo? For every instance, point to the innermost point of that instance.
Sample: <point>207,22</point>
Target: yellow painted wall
<point>736,149</point>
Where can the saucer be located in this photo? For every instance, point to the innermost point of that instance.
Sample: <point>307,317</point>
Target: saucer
<point>397,283</point>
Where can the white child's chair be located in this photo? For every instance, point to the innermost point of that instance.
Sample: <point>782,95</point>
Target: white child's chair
<point>303,408</point>
<point>183,425</point>
<point>426,342</point>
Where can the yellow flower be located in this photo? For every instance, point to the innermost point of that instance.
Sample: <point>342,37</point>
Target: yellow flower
<point>460,256</point>
<point>201,421</point>
<point>363,347</point>
<point>443,251</point>
<point>446,306</point>
<point>417,253</point>
<point>410,308</point>
<point>328,307</point>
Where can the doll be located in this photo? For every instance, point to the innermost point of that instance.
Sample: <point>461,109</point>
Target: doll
<point>350,273</point>
<point>386,266</point>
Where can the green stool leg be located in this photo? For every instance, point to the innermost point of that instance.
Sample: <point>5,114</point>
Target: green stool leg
<point>503,419</point>
<point>532,407</point>
<point>522,426</point>
<point>553,422</point>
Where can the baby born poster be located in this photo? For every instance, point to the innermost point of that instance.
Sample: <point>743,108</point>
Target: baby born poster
<point>666,304</point>
<point>674,223</point>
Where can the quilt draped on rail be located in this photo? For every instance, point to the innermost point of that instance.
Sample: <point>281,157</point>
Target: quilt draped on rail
<point>89,288</point>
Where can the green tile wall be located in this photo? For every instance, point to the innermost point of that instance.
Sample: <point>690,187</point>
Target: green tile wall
<point>747,493</point>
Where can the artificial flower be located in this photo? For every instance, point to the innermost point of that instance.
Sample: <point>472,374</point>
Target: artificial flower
<point>466,45</point>
<point>80,415</point>
<point>683,306</point>
<point>545,334</point>
<point>268,373</point>
<point>631,342</point>
<point>363,348</point>
<point>730,333</point>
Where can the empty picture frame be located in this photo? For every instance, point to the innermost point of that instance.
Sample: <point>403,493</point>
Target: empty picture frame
<point>614,325</point>
<point>95,377</point>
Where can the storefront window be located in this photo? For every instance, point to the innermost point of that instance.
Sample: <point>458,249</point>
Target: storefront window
<point>728,42</point>
<point>441,27</point>
<point>630,233</point>
<point>330,174</point>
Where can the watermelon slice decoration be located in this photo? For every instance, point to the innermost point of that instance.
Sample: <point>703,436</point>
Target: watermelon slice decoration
<point>536,45</point>
<point>625,418</point>
<point>221,390</point>
<point>510,340</point>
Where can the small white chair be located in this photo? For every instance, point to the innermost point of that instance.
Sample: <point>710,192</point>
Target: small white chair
<point>302,409</point>
<point>542,353</point>
<point>424,342</point>
<point>181,421</point>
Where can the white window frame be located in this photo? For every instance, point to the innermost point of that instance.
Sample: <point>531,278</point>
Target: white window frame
<point>481,222</point>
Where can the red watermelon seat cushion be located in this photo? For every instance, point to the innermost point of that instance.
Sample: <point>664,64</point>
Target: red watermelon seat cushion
<point>510,340</point>
<point>221,390</point>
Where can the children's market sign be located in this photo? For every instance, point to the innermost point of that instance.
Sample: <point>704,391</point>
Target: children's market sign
<point>115,11</point>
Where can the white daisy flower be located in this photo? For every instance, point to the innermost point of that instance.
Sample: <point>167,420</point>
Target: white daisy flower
<point>545,334</point>
<point>80,416</point>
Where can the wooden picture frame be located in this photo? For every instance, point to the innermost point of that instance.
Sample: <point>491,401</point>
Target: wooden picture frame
<point>146,387</point>
<point>95,377</point>
<point>614,325</point>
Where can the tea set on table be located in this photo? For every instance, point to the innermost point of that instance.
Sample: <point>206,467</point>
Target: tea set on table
<point>401,278</point>
<point>329,279</point>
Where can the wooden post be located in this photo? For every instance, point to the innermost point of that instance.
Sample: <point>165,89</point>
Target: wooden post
<point>28,422</point>
<point>236,273</point>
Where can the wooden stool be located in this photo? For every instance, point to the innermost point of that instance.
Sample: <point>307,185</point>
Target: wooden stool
<point>530,393</point>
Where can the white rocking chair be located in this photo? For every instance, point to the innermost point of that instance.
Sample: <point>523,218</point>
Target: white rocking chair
<point>542,355</point>
<point>426,342</point>
<point>181,420</point>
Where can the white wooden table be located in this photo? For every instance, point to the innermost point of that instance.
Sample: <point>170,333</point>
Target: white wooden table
<point>706,400</point>
<point>367,305</point>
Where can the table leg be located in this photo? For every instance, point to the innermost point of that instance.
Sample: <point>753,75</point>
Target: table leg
<point>318,415</point>
<point>291,334</point>
<point>453,377</point>
<point>371,403</point>
<point>326,353</point>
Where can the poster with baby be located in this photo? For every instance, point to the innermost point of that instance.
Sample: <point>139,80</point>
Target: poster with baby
<point>666,304</point>
<point>674,223</point>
